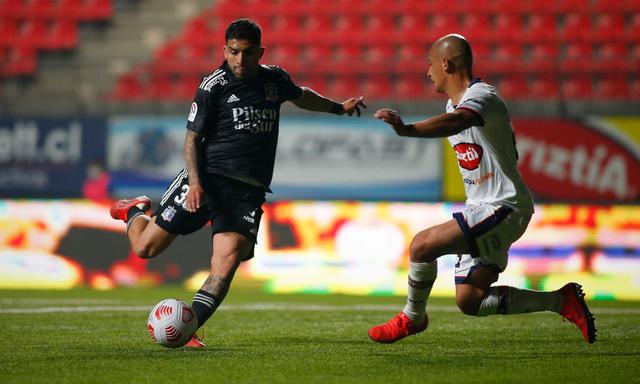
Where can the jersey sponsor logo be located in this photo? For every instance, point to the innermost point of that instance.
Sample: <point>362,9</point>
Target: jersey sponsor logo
<point>216,77</point>
<point>250,217</point>
<point>233,98</point>
<point>193,112</point>
<point>469,155</point>
<point>271,92</point>
<point>254,119</point>
<point>479,180</point>
<point>168,213</point>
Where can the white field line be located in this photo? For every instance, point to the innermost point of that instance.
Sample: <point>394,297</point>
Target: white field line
<point>288,307</point>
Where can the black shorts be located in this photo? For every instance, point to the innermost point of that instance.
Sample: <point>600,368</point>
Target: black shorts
<point>230,205</point>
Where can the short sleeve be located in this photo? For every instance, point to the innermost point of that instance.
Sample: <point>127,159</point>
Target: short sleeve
<point>477,99</point>
<point>201,111</point>
<point>290,91</point>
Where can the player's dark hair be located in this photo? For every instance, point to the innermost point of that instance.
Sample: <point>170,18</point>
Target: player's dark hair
<point>244,29</point>
<point>467,56</point>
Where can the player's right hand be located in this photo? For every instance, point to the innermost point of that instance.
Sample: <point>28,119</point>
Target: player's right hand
<point>194,197</point>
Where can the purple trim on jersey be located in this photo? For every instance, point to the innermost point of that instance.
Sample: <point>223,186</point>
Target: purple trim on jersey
<point>474,111</point>
<point>472,233</point>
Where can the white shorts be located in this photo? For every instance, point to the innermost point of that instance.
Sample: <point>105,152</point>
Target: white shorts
<point>490,230</point>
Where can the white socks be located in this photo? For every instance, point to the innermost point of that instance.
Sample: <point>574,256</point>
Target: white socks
<point>421,278</point>
<point>504,300</point>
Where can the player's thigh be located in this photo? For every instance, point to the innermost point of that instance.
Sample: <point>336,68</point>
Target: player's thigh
<point>442,239</point>
<point>154,238</point>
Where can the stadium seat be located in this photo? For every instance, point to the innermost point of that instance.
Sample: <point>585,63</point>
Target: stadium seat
<point>613,87</point>
<point>378,28</point>
<point>319,58</point>
<point>19,61</point>
<point>544,88</point>
<point>440,25</point>
<point>633,32</point>
<point>288,56</point>
<point>577,28</point>
<point>507,28</point>
<point>13,9</point>
<point>286,28</point>
<point>578,57</point>
<point>543,57</point>
<point>315,29</point>
<point>197,31</point>
<point>612,58</point>
<point>634,89</point>
<point>128,88</point>
<point>513,87</point>
<point>34,33</point>
<point>507,58</point>
<point>9,32</point>
<point>41,9</point>
<point>566,6</point>
<point>577,87</point>
<point>476,27</point>
<point>343,86</point>
<point>62,35</point>
<point>96,10</point>
<point>541,28</point>
<point>504,6</point>
<point>186,86</point>
<point>608,27</point>
<point>161,88</point>
<point>603,6</point>
<point>378,58</point>
<point>409,26</point>
<point>316,82</point>
<point>410,87</point>
<point>377,86</point>
<point>411,59</point>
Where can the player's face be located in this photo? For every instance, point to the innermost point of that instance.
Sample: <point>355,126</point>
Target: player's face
<point>436,72</point>
<point>243,58</point>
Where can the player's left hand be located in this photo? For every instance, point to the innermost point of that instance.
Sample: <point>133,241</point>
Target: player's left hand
<point>353,105</point>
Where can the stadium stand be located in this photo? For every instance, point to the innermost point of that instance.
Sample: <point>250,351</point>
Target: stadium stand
<point>27,27</point>
<point>520,44</point>
<point>535,49</point>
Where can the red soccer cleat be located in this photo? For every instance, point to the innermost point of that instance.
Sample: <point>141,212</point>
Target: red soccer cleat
<point>120,209</point>
<point>576,311</point>
<point>399,327</point>
<point>195,342</point>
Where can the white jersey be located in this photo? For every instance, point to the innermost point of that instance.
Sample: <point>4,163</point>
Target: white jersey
<point>487,155</point>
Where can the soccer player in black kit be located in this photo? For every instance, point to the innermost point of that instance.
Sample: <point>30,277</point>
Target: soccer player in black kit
<point>230,148</point>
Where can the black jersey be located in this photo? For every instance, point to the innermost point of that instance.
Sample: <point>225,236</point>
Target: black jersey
<point>239,120</point>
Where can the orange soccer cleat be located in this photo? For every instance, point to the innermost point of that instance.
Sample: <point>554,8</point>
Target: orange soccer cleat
<point>576,311</point>
<point>195,342</point>
<point>399,327</point>
<point>120,209</point>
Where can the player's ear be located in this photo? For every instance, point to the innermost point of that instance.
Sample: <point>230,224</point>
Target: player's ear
<point>224,50</point>
<point>448,65</point>
<point>262,49</point>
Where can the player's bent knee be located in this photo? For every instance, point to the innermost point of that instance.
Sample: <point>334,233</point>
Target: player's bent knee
<point>468,306</point>
<point>421,248</point>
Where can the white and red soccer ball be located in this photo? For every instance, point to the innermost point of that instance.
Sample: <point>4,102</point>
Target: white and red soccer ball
<point>172,323</point>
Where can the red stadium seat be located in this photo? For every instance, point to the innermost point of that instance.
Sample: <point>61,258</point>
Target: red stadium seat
<point>161,87</point>
<point>633,32</point>
<point>507,58</point>
<point>347,59</point>
<point>541,28</point>
<point>319,58</point>
<point>506,6</point>
<point>186,86</point>
<point>62,35</point>
<point>286,28</point>
<point>378,28</point>
<point>315,29</point>
<point>614,87</point>
<point>578,57</point>
<point>96,10</point>
<point>600,6</point>
<point>411,59</point>
<point>566,6</point>
<point>411,26</point>
<point>608,27</point>
<point>410,87</point>
<point>378,58</point>
<point>513,87</point>
<point>34,33</point>
<point>544,88</point>
<point>316,82</point>
<point>128,88</point>
<point>376,87</point>
<point>476,27</point>
<point>577,28</point>
<point>613,58</point>
<point>343,86</point>
<point>440,25</point>
<point>634,89</point>
<point>197,31</point>
<point>577,87</point>
<point>543,57</point>
<point>13,9</point>
<point>288,56</point>
<point>9,32</point>
<point>507,28</point>
<point>42,9</point>
<point>20,61</point>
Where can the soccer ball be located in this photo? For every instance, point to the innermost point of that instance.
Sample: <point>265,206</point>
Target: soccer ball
<point>172,323</point>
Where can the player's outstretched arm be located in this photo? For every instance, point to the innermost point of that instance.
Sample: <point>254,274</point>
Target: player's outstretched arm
<point>312,101</point>
<point>443,125</point>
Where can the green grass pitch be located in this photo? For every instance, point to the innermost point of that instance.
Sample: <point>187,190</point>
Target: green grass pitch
<point>85,336</point>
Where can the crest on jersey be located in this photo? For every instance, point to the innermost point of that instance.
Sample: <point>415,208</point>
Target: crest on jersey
<point>469,155</point>
<point>168,213</point>
<point>271,91</point>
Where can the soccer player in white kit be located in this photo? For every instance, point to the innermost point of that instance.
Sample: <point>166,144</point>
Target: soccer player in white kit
<point>498,206</point>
